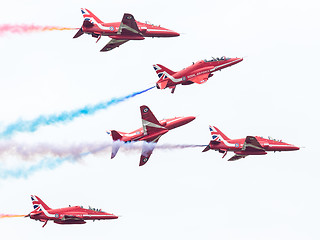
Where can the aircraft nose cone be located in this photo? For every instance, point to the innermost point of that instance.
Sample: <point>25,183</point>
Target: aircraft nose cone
<point>112,216</point>
<point>174,34</point>
<point>293,148</point>
<point>189,119</point>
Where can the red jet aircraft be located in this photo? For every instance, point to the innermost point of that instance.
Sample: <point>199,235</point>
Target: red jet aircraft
<point>245,146</point>
<point>68,215</point>
<point>198,72</point>
<point>120,32</point>
<point>151,131</point>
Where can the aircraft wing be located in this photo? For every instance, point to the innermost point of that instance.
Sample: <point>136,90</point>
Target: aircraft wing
<point>71,217</point>
<point>201,78</point>
<point>252,144</point>
<point>147,150</point>
<point>149,122</point>
<point>128,26</point>
<point>237,157</point>
<point>113,44</point>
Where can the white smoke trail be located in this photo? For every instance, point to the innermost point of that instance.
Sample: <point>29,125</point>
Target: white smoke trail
<point>29,151</point>
<point>55,155</point>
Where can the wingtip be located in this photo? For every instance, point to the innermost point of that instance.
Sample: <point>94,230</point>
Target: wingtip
<point>143,160</point>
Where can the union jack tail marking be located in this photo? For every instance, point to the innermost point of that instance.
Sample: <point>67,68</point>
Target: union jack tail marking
<point>216,134</point>
<point>162,71</point>
<point>38,204</point>
<point>89,16</point>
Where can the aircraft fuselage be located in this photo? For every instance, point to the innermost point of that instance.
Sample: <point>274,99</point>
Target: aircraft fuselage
<point>236,145</point>
<point>111,29</point>
<point>61,215</point>
<point>168,124</point>
<point>198,72</point>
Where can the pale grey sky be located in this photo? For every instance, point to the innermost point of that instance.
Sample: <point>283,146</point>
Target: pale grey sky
<point>178,194</point>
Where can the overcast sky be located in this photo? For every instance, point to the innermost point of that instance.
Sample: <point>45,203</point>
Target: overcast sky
<point>183,193</point>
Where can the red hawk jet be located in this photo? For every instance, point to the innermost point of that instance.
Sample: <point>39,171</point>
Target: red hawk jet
<point>151,131</point>
<point>120,32</point>
<point>68,215</point>
<point>198,72</point>
<point>245,146</point>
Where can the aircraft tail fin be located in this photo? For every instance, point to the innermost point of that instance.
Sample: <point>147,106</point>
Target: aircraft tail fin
<point>38,204</point>
<point>162,71</point>
<point>216,134</point>
<point>89,16</point>
<point>115,135</point>
<point>164,75</point>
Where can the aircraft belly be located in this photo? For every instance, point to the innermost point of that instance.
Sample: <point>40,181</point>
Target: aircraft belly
<point>278,148</point>
<point>250,152</point>
<point>70,222</point>
<point>186,83</point>
<point>172,84</point>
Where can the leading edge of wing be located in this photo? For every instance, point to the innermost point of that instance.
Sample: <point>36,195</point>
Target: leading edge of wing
<point>128,25</point>
<point>251,144</point>
<point>150,123</point>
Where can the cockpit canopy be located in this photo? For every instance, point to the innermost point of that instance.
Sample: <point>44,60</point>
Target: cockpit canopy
<point>93,209</point>
<point>149,23</point>
<point>276,140</point>
<point>273,139</point>
<point>223,58</point>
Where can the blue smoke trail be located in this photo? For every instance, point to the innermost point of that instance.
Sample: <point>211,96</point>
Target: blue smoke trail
<point>48,163</point>
<point>44,120</point>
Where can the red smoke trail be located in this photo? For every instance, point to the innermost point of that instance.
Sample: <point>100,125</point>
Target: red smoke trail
<point>10,215</point>
<point>26,28</point>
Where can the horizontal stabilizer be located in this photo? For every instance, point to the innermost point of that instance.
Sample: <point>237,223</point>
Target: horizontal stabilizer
<point>163,84</point>
<point>78,34</point>
<point>207,148</point>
